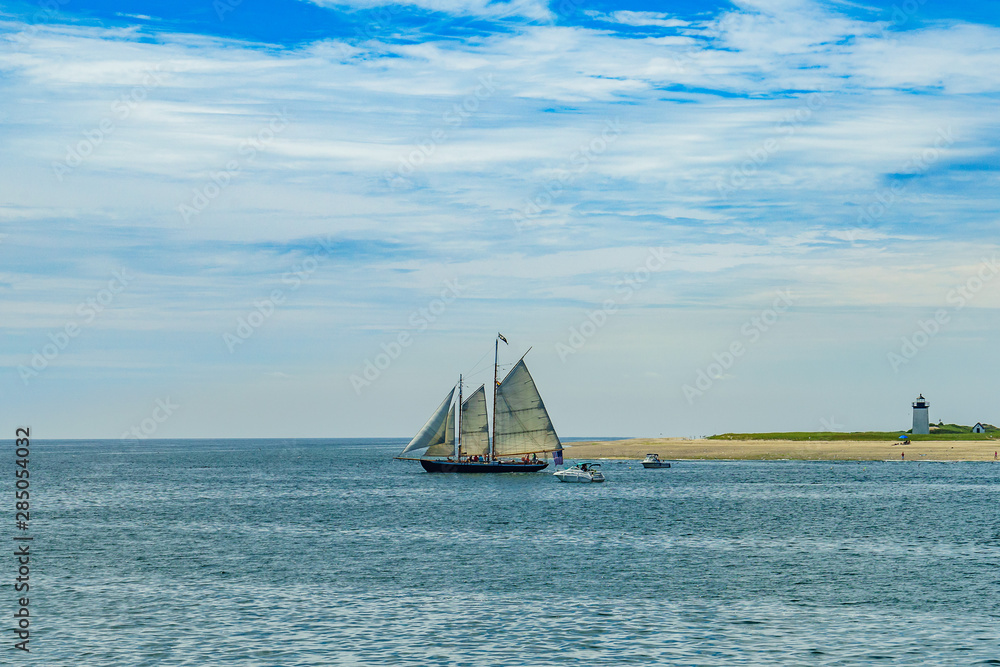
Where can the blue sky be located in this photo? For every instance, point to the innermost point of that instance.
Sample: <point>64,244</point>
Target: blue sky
<point>237,207</point>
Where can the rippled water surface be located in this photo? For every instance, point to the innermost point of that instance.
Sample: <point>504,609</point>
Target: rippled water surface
<point>270,552</point>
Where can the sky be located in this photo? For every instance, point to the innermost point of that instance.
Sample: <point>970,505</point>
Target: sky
<point>250,218</point>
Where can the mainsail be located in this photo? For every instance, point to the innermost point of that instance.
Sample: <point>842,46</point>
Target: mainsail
<point>433,432</point>
<point>475,430</point>
<point>521,423</point>
<point>446,448</point>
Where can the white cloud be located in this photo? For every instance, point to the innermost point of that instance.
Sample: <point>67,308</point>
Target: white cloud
<point>623,17</point>
<point>698,104</point>
<point>493,9</point>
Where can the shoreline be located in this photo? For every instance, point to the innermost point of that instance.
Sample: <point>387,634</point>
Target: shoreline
<point>774,450</point>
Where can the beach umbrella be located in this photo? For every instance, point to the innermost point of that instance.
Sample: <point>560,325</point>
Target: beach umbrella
<point>902,437</point>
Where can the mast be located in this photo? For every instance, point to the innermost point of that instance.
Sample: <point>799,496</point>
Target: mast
<point>496,359</point>
<point>458,423</point>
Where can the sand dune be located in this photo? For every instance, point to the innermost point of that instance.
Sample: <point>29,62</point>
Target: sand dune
<point>809,450</point>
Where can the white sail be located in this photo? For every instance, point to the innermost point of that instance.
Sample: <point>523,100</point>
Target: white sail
<point>475,429</point>
<point>521,423</point>
<point>446,448</point>
<point>433,432</point>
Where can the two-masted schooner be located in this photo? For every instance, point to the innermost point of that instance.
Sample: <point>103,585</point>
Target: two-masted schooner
<point>457,436</point>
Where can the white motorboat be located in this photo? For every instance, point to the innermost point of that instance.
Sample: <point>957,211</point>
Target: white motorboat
<point>585,472</point>
<point>653,461</point>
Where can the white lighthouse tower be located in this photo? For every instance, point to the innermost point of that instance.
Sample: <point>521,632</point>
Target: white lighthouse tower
<point>921,423</point>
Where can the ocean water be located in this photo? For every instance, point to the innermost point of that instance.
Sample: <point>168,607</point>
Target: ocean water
<point>329,552</point>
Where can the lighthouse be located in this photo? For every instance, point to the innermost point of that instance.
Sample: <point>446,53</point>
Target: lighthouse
<point>921,424</point>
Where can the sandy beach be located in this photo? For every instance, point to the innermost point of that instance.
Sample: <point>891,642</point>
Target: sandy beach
<point>810,450</point>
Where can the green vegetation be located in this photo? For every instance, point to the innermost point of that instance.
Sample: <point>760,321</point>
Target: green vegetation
<point>957,428</point>
<point>938,432</point>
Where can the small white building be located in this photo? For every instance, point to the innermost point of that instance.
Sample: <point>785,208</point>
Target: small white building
<point>978,428</point>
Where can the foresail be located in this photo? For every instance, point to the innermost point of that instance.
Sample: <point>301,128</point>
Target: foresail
<point>475,428</point>
<point>446,448</point>
<point>433,431</point>
<point>522,424</point>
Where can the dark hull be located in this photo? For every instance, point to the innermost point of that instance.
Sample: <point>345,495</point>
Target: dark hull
<point>452,466</point>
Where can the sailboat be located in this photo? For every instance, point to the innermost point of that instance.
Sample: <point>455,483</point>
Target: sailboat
<point>457,436</point>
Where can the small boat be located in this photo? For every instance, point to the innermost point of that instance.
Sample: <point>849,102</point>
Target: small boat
<point>585,472</point>
<point>653,461</point>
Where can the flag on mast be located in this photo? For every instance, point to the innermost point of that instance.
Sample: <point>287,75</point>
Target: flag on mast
<point>500,336</point>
